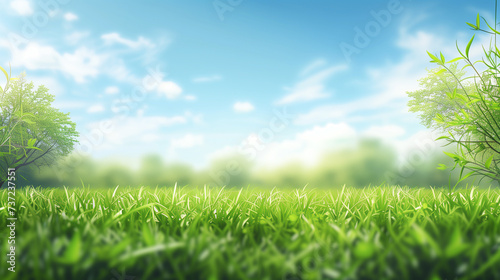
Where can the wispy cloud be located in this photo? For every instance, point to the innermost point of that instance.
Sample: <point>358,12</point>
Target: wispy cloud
<point>190,97</point>
<point>169,89</point>
<point>70,16</point>
<point>207,79</point>
<point>313,66</point>
<point>80,65</point>
<point>243,107</point>
<point>306,146</point>
<point>187,141</point>
<point>76,37</point>
<point>388,83</point>
<point>22,7</point>
<point>132,129</point>
<point>312,87</point>
<point>385,131</point>
<point>96,108</point>
<point>116,38</point>
<point>112,90</point>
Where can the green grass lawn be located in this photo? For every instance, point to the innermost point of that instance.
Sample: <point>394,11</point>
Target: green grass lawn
<point>213,233</point>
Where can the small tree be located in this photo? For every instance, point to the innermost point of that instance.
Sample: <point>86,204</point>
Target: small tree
<point>11,119</point>
<point>33,132</point>
<point>467,109</point>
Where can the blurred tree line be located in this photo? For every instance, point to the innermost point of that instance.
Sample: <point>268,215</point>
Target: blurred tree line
<point>369,163</point>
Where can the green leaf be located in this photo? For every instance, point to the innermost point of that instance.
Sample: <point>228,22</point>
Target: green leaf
<point>5,72</point>
<point>466,176</point>
<point>442,58</point>
<point>73,251</point>
<point>364,250</point>
<point>464,113</point>
<point>468,46</point>
<point>434,58</point>
<point>454,156</point>
<point>455,245</point>
<point>147,235</point>
<point>458,49</point>
<point>28,121</point>
<point>441,71</point>
<point>455,59</point>
<point>488,162</point>
<point>467,65</point>
<point>442,167</point>
<point>492,29</point>
<point>31,142</point>
<point>442,137</point>
<point>472,25</point>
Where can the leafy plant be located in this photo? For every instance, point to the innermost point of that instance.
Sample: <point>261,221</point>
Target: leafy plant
<point>11,119</point>
<point>33,132</point>
<point>467,108</point>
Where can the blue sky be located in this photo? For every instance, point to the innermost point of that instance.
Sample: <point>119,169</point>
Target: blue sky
<point>193,80</point>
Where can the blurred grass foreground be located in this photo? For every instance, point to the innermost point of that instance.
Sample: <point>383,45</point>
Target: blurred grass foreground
<point>233,233</point>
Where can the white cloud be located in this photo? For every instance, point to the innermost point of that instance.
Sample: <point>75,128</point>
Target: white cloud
<point>206,79</point>
<point>70,16</point>
<point>309,146</point>
<point>195,118</point>
<point>22,7</point>
<point>125,131</point>
<point>187,141</point>
<point>190,97</point>
<point>35,56</point>
<point>418,147</point>
<point>118,70</point>
<point>313,86</point>
<point>362,109</point>
<point>115,38</point>
<point>386,132</point>
<point>128,134</point>
<point>80,64</point>
<point>243,107</point>
<point>312,66</point>
<point>169,89</point>
<point>306,147</point>
<point>150,138</point>
<point>140,111</point>
<point>112,90</point>
<point>76,37</point>
<point>96,108</point>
